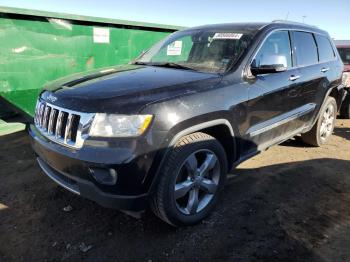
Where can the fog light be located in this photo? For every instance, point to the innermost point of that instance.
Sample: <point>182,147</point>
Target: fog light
<point>104,176</point>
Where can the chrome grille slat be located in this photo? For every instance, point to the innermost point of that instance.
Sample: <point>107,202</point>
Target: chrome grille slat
<point>36,116</point>
<point>59,124</point>
<point>63,126</point>
<point>51,121</point>
<point>67,134</point>
<point>46,117</point>
<point>41,114</point>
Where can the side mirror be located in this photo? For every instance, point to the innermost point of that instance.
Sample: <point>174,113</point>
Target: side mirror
<point>266,64</point>
<point>267,69</point>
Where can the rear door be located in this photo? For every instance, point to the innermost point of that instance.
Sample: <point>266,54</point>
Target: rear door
<point>328,65</point>
<point>313,75</point>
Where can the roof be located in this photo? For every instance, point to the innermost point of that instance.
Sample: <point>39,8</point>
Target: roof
<point>29,12</point>
<point>342,43</point>
<point>230,26</point>
<point>297,25</point>
<point>292,23</point>
<point>259,26</point>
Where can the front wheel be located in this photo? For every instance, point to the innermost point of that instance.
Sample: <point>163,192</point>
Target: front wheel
<point>191,178</point>
<point>324,126</point>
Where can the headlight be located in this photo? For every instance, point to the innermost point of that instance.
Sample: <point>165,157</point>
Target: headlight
<point>109,125</point>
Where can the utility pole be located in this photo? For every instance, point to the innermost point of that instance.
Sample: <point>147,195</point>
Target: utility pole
<point>304,16</point>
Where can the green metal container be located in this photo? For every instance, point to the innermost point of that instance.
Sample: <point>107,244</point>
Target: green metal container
<point>37,47</point>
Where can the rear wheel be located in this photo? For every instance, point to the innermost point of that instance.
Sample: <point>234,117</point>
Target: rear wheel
<point>191,179</point>
<point>324,126</point>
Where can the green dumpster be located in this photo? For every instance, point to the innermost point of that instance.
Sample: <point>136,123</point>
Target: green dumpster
<point>37,47</point>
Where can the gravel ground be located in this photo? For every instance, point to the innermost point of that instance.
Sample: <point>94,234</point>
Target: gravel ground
<point>291,203</point>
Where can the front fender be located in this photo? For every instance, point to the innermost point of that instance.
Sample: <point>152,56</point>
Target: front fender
<point>178,131</point>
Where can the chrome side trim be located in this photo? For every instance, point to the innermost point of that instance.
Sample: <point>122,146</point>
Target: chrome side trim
<point>280,120</point>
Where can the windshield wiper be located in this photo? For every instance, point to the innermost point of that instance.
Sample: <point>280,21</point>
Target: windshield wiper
<point>172,65</point>
<point>140,63</point>
<point>166,64</point>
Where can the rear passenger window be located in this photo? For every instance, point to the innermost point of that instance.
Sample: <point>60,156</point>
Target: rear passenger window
<point>305,48</point>
<point>325,49</point>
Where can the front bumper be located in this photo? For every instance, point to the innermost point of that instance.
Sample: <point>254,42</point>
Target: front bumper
<point>72,170</point>
<point>90,191</point>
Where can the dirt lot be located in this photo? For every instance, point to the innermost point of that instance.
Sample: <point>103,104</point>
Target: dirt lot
<point>291,203</point>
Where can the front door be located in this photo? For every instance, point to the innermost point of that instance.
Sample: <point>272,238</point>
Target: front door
<point>274,105</point>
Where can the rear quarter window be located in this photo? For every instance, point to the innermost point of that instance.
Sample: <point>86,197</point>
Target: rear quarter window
<point>344,54</point>
<point>325,49</point>
<point>305,48</point>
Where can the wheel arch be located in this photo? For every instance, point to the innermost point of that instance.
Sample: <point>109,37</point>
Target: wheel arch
<point>337,93</point>
<point>220,129</point>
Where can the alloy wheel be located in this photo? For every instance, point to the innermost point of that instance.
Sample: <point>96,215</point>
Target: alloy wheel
<point>197,182</point>
<point>327,123</point>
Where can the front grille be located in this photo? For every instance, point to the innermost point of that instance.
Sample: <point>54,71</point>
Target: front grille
<point>61,125</point>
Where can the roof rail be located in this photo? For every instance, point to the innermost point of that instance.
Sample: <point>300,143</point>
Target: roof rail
<point>292,22</point>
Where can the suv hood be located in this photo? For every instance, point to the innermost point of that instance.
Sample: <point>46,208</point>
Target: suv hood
<point>125,89</point>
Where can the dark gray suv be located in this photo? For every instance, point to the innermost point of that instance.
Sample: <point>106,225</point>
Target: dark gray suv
<point>165,130</point>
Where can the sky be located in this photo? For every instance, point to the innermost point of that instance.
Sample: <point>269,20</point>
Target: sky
<point>330,15</point>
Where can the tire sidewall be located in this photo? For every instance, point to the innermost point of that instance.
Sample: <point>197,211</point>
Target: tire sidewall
<point>330,100</point>
<point>175,216</point>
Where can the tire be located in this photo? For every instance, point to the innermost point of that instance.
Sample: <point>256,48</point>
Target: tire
<point>181,179</point>
<point>345,108</point>
<point>324,126</point>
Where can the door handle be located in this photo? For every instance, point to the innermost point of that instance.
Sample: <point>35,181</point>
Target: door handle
<point>324,69</point>
<point>294,77</point>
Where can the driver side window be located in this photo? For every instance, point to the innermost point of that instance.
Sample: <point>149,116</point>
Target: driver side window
<point>275,51</point>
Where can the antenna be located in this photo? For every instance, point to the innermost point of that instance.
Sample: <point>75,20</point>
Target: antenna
<point>304,16</point>
<point>287,16</point>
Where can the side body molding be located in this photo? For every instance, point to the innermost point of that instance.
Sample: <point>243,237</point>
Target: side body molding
<point>280,120</point>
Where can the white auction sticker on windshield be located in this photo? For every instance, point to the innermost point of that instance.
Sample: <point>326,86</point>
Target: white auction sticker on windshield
<point>174,48</point>
<point>227,36</point>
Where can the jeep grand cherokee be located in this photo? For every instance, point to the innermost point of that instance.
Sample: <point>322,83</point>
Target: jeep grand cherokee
<point>166,129</point>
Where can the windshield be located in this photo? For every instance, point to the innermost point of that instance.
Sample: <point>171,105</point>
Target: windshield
<point>200,50</point>
<point>345,55</point>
